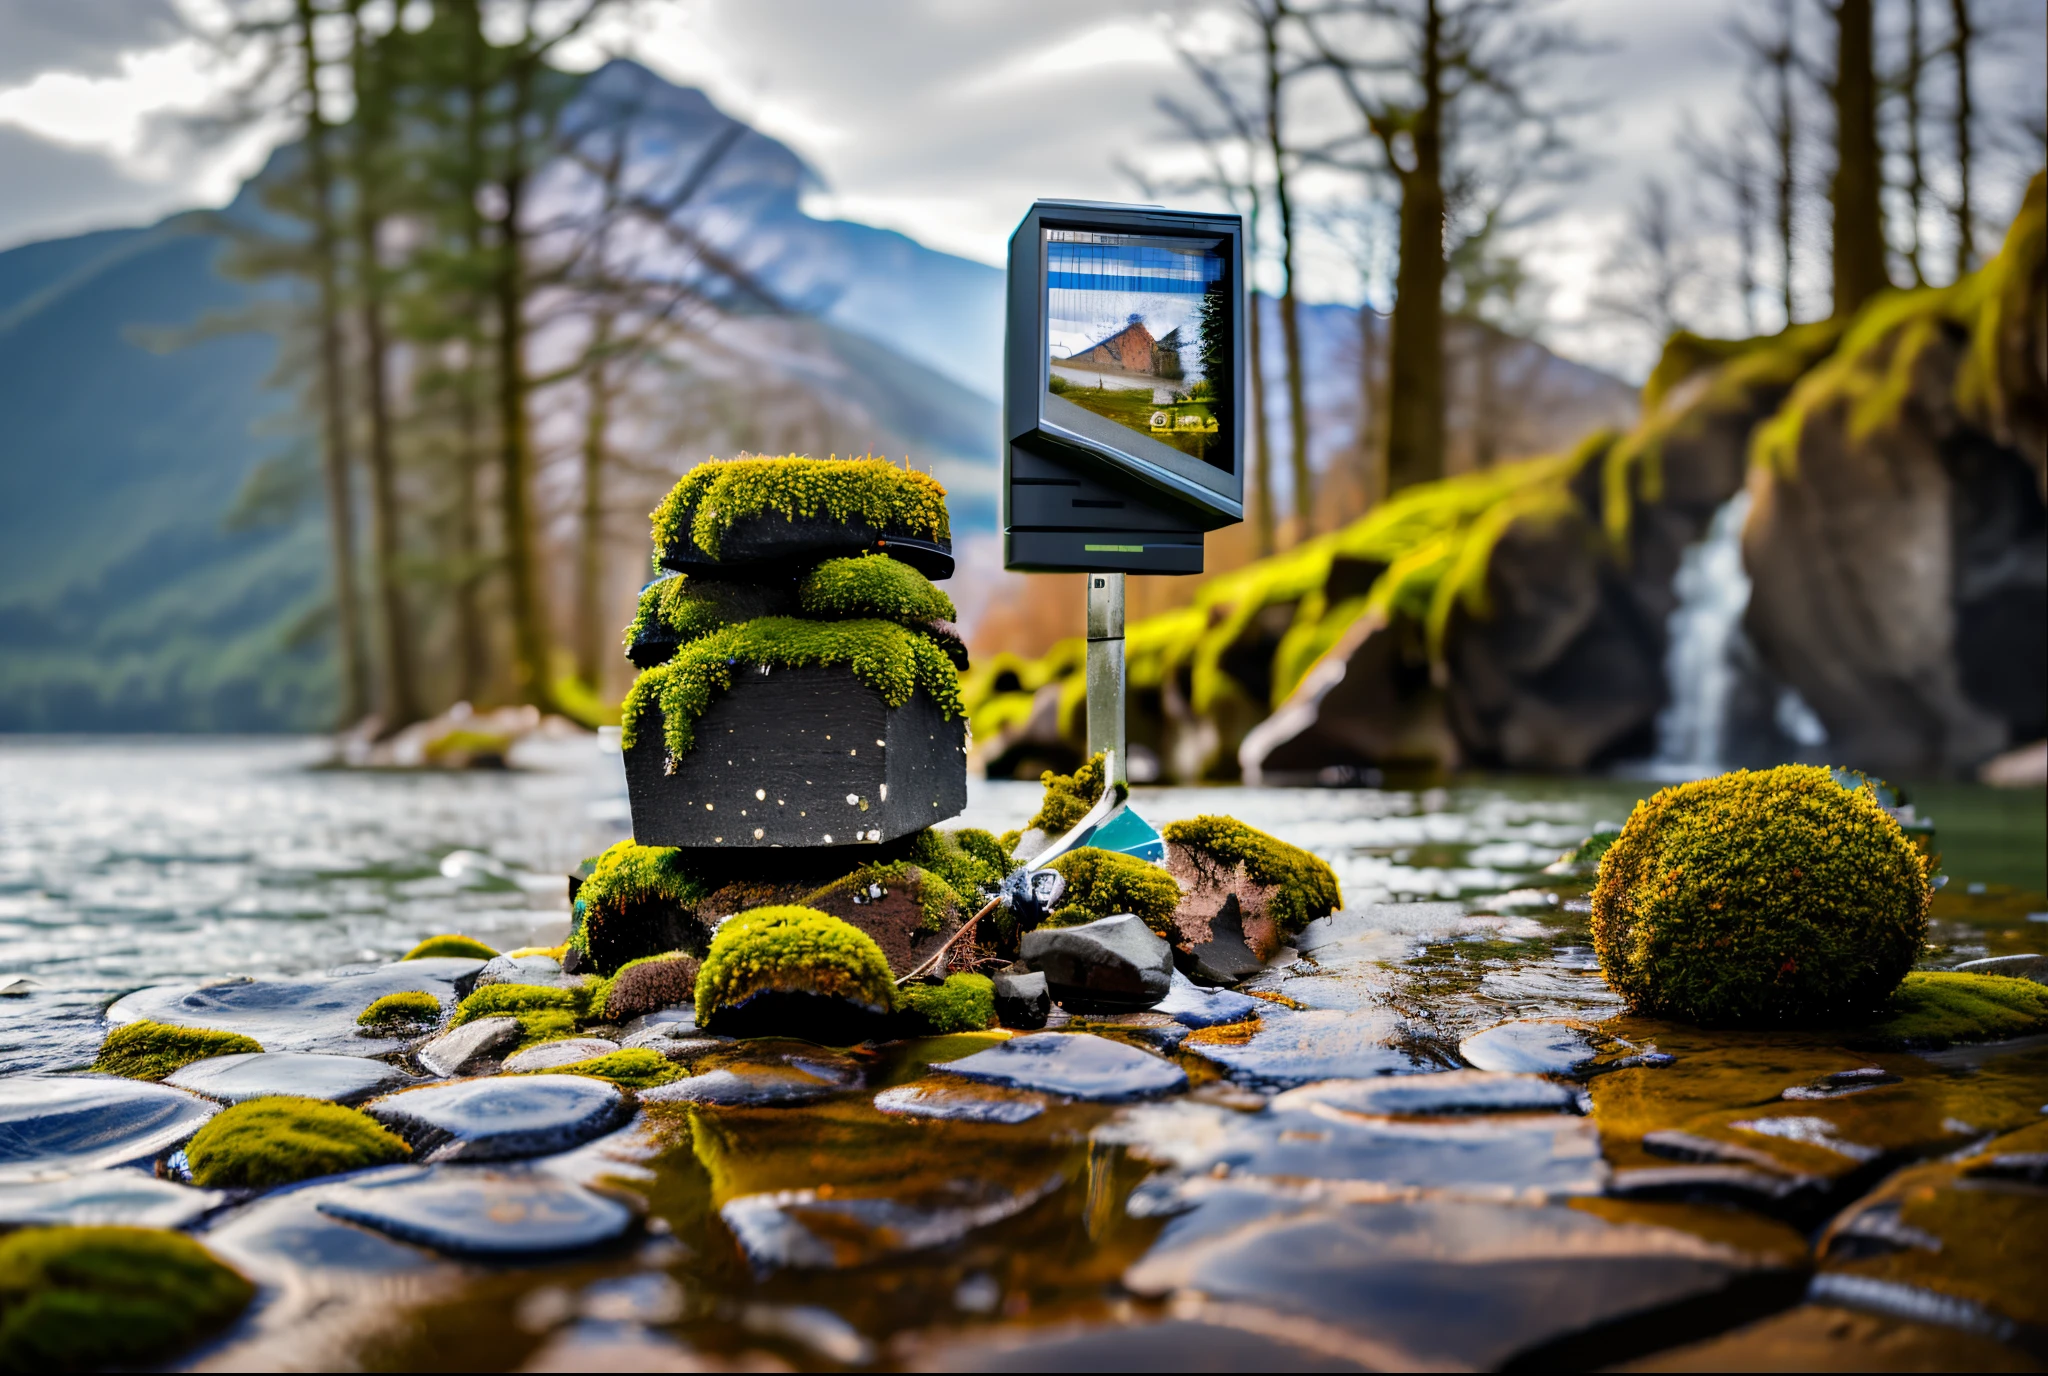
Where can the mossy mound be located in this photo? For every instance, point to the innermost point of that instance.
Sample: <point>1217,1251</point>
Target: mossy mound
<point>680,608</point>
<point>152,1050</point>
<point>1933,1009</point>
<point>883,655</point>
<point>282,1139</point>
<point>1760,898</point>
<point>1103,883</point>
<point>790,951</point>
<point>637,901</point>
<point>450,944</point>
<point>407,1005</point>
<point>649,984</point>
<point>84,1299</point>
<point>1304,887</point>
<point>549,1006</point>
<point>872,586</point>
<point>964,1003</point>
<point>938,902</point>
<point>714,495</point>
<point>973,861</point>
<point>1068,797</point>
<point>634,1067</point>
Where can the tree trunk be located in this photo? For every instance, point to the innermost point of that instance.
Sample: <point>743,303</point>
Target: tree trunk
<point>1290,319</point>
<point>334,447</point>
<point>1859,248</point>
<point>590,630</point>
<point>471,647</point>
<point>1371,480</point>
<point>1916,173</point>
<point>1785,135</point>
<point>1415,369</point>
<point>1966,219</point>
<point>398,698</point>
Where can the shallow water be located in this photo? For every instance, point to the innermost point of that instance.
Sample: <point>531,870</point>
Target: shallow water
<point>125,863</point>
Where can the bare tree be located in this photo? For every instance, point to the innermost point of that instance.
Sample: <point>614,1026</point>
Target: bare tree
<point>1856,190</point>
<point>1652,269</point>
<point>1963,34</point>
<point>1732,165</point>
<point>1774,56</point>
<point>1912,73</point>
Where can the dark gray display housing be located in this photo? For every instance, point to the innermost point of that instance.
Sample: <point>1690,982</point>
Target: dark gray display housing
<point>804,757</point>
<point>1086,494</point>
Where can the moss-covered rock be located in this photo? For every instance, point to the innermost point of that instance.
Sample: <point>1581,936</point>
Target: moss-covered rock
<point>283,1139</point>
<point>407,1005</point>
<point>1760,898</point>
<point>1294,888</point>
<point>793,970</point>
<point>450,944</point>
<point>1068,797</point>
<point>965,1002</point>
<point>649,984</point>
<point>1103,883</point>
<point>84,1299</point>
<point>679,608</point>
<point>872,586</point>
<point>973,861</point>
<point>906,910</point>
<point>712,497</point>
<point>633,1067</point>
<point>151,1050</point>
<point>1932,1009</point>
<point>893,661</point>
<point>544,1012</point>
<point>637,901</point>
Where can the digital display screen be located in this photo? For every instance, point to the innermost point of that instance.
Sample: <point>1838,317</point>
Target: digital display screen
<point>1138,329</point>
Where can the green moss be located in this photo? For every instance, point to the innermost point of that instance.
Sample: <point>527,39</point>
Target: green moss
<point>714,495</point>
<point>1068,797</point>
<point>1305,887</point>
<point>1584,858</point>
<point>543,1025</point>
<point>407,1005</point>
<point>630,874</point>
<point>688,608</point>
<point>284,1139</point>
<point>964,1003</point>
<point>471,745</point>
<point>792,949</point>
<point>450,944</point>
<point>503,1000</point>
<point>1103,883</point>
<point>635,1067</point>
<point>1932,1009</point>
<point>887,658</point>
<point>973,861</point>
<point>937,899</point>
<point>1759,898</point>
<point>84,1299</point>
<point>872,586</point>
<point>152,1050</point>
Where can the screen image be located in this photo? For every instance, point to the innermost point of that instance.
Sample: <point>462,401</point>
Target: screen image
<point>1138,332</point>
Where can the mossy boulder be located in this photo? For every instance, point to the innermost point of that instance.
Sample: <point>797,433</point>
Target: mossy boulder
<point>633,1067</point>
<point>151,1050</point>
<point>650,984</point>
<point>908,911</point>
<point>794,971</point>
<point>964,1002</point>
<point>872,586</point>
<point>1229,871</point>
<point>405,1006</point>
<point>637,901</point>
<point>1760,898</point>
<point>751,512</point>
<point>1103,883</point>
<point>284,1139</point>
<point>678,609</point>
<point>450,944</point>
<point>544,1012</point>
<point>84,1299</point>
<point>1933,1009</point>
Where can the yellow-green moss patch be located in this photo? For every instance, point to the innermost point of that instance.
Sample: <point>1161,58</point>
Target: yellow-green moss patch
<point>634,1067</point>
<point>688,608</point>
<point>973,861</point>
<point>872,585</point>
<point>152,1050</point>
<point>501,1000</point>
<point>450,944</point>
<point>889,659</point>
<point>1068,797</point>
<point>1932,1009</point>
<point>84,1299</point>
<point>964,1003</point>
<point>407,1005</point>
<point>284,1139</point>
<point>1760,898</point>
<point>1103,883</point>
<point>715,494</point>
<point>794,950</point>
<point>1304,886</point>
<point>629,874</point>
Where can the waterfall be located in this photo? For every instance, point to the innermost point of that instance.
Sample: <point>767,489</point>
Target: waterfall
<point>1713,593</point>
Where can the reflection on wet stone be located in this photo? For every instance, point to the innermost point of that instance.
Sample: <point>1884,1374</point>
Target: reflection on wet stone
<point>502,1119</point>
<point>811,1229</point>
<point>479,1211</point>
<point>251,1075</point>
<point>1076,1064</point>
<point>1292,1048</point>
<point>55,1126</point>
<point>129,1198</point>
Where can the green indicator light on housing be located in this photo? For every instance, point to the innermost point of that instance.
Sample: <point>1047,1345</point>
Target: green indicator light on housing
<point>1113,549</point>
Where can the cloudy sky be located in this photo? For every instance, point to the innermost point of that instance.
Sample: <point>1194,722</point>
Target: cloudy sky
<point>945,118</point>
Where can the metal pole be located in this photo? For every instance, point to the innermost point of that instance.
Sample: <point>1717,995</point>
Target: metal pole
<point>1106,670</point>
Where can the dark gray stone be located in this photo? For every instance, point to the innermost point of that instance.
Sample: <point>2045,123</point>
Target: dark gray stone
<point>1226,957</point>
<point>502,1119</point>
<point>1445,1093</point>
<point>253,1075</point>
<point>2033,967</point>
<point>1189,1003</point>
<point>1022,1000</point>
<point>128,1198</point>
<point>932,1100</point>
<point>542,970</point>
<point>806,1229</point>
<point>313,1014</point>
<point>1534,1047</point>
<point>679,1041</point>
<point>1075,1064</point>
<point>469,1047</point>
<point>1293,1048</point>
<point>678,1022</point>
<point>482,1213</point>
<point>58,1125</point>
<point>1114,965</point>
<point>285,1229</point>
<point>566,1051</point>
